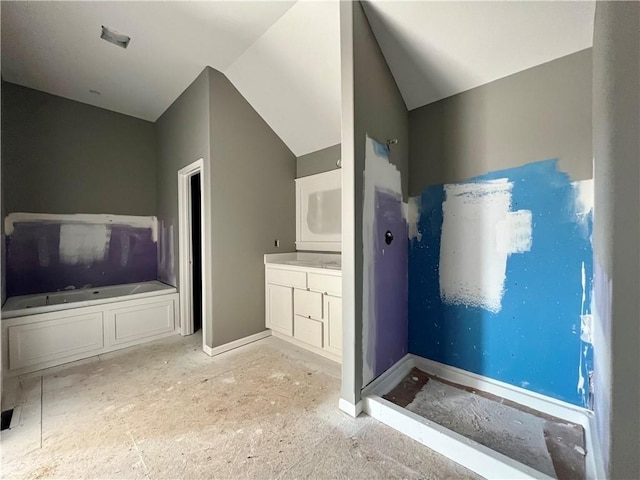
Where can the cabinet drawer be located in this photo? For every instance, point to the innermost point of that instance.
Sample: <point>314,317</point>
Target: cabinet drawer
<point>308,331</point>
<point>287,278</point>
<point>326,283</point>
<point>307,304</point>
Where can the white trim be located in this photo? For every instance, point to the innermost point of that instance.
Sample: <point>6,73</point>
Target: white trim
<point>594,461</point>
<point>349,408</point>
<point>351,350</point>
<point>536,401</point>
<point>319,246</point>
<point>306,346</point>
<point>236,343</point>
<point>466,452</point>
<point>184,246</point>
<point>389,379</point>
<point>430,434</point>
<point>87,218</point>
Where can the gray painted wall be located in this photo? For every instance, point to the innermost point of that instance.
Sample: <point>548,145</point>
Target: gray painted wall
<point>182,137</point>
<point>536,114</point>
<point>253,203</point>
<point>378,111</point>
<point>616,127</point>
<point>62,156</point>
<point>317,162</point>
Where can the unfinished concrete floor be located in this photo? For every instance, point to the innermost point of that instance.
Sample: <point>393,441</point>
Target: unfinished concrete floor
<point>166,410</point>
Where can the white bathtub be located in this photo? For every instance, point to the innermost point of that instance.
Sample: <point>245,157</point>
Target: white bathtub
<point>51,302</point>
<point>40,331</point>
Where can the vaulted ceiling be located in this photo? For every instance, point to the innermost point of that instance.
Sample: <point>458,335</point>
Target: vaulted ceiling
<point>284,56</point>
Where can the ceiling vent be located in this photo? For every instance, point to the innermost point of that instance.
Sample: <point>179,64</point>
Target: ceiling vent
<point>114,37</point>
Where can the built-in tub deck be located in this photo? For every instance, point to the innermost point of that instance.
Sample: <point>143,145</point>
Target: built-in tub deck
<point>41,331</point>
<point>50,302</point>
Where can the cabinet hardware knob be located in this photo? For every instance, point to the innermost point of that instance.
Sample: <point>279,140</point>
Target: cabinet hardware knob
<point>309,316</point>
<point>326,293</point>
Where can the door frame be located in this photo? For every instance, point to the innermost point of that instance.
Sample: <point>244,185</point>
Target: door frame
<point>185,289</point>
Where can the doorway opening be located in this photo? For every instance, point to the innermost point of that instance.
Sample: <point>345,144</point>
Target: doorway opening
<point>196,252</point>
<point>192,192</point>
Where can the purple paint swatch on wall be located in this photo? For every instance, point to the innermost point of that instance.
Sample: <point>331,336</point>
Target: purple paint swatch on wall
<point>51,256</point>
<point>391,281</point>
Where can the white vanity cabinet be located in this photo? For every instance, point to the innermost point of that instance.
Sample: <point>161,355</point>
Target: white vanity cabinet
<point>279,308</point>
<point>303,305</point>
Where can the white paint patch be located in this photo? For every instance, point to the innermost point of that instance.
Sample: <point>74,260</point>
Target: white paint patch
<point>413,217</point>
<point>580,387</point>
<point>472,269</point>
<point>586,328</point>
<point>584,198</point>
<point>379,174</point>
<point>479,232</point>
<point>83,243</point>
<point>514,233</point>
<point>166,265</point>
<point>584,288</point>
<point>584,195</point>
<point>82,219</point>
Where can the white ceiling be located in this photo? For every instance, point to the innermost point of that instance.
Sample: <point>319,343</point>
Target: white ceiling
<point>284,57</point>
<point>437,49</point>
<point>291,76</point>
<point>56,47</point>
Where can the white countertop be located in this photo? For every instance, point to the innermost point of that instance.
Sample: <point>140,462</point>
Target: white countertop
<point>302,260</point>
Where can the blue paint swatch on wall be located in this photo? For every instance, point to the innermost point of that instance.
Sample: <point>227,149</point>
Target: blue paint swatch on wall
<point>534,340</point>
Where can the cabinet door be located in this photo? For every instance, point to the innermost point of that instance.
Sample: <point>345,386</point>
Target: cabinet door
<point>280,308</point>
<point>333,324</point>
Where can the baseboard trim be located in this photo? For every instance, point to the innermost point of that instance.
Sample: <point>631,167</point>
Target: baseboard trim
<point>235,344</point>
<point>594,461</point>
<point>306,346</point>
<point>468,453</point>
<point>536,401</point>
<point>349,408</point>
<point>487,463</point>
<point>389,379</point>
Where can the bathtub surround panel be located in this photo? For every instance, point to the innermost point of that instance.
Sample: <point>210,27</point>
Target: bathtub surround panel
<point>48,253</point>
<point>524,315</point>
<point>385,281</point>
<point>62,156</point>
